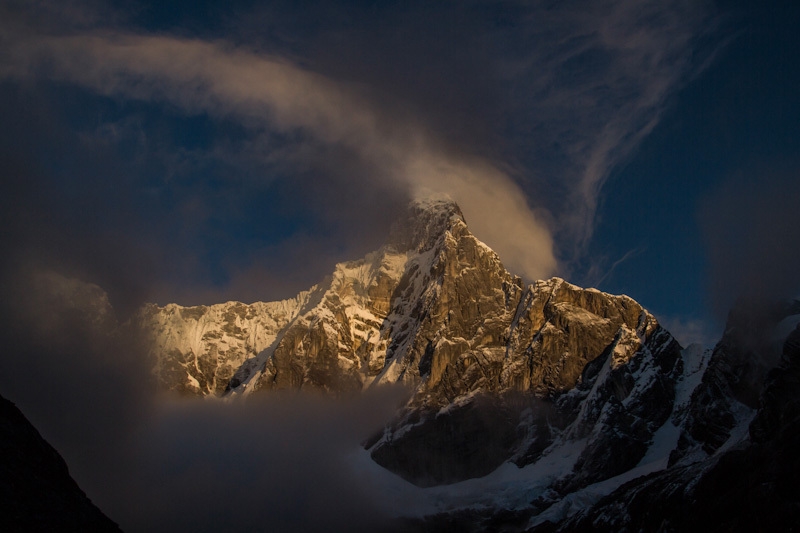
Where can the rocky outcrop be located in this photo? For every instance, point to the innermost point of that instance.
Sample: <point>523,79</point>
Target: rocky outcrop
<point>36,490</point>
<point>751,487</point>
<point>339,345</point>
<point>619,413</point>
<point>733,382</point>
<point>568,362</point>
<point>197,350</point>
<point>746,483</point>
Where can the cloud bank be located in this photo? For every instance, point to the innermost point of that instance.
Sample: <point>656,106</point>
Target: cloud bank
<point>151,462</point>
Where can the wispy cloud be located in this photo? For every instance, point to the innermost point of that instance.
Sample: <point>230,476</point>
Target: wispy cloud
<point>228,81</point>
<point>594,81</point>
<point>574,90</point>
<point>597,279</point>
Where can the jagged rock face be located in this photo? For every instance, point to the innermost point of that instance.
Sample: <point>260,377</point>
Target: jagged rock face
<point>340,344</point>
<point>197,350</point>
<point>36,489</point>
<point>748,483</point>
<point>452,309</point>
<point>752,487</point>
<point>621,410</point>
<point>732,384</point>
<point>555,338</point>
<point>560,328</point>
<point>405,313</point>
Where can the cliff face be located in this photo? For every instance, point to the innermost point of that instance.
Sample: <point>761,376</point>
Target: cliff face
<point>197,350</point>
<point>565,364</point>
<point>752,486</point>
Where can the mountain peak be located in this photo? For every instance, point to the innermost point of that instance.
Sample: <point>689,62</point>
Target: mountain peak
<point>424,221</point>
<point>435,203</point>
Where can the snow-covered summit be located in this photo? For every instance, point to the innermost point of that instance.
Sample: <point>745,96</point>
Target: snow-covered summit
<point>337,337</point>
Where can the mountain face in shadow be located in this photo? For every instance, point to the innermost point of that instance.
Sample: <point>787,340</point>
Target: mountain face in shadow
<point>36,490</point>
<point>751,487</point>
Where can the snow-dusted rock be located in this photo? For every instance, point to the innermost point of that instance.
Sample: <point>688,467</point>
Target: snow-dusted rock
<point>497,370</point>
<point>749,484</point>
<point>197,350</point>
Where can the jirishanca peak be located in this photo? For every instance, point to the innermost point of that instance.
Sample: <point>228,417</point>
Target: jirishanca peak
<point>530,407</point>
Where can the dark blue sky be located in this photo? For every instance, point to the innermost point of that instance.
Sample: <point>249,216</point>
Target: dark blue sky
<point>196,152</point>
<point>726,150</point>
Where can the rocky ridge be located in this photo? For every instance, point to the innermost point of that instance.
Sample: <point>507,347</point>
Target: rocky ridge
<point>746,485</point>
<point>197,350</point>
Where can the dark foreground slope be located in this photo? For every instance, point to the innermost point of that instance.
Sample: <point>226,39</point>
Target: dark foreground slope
<point>36,490</point>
